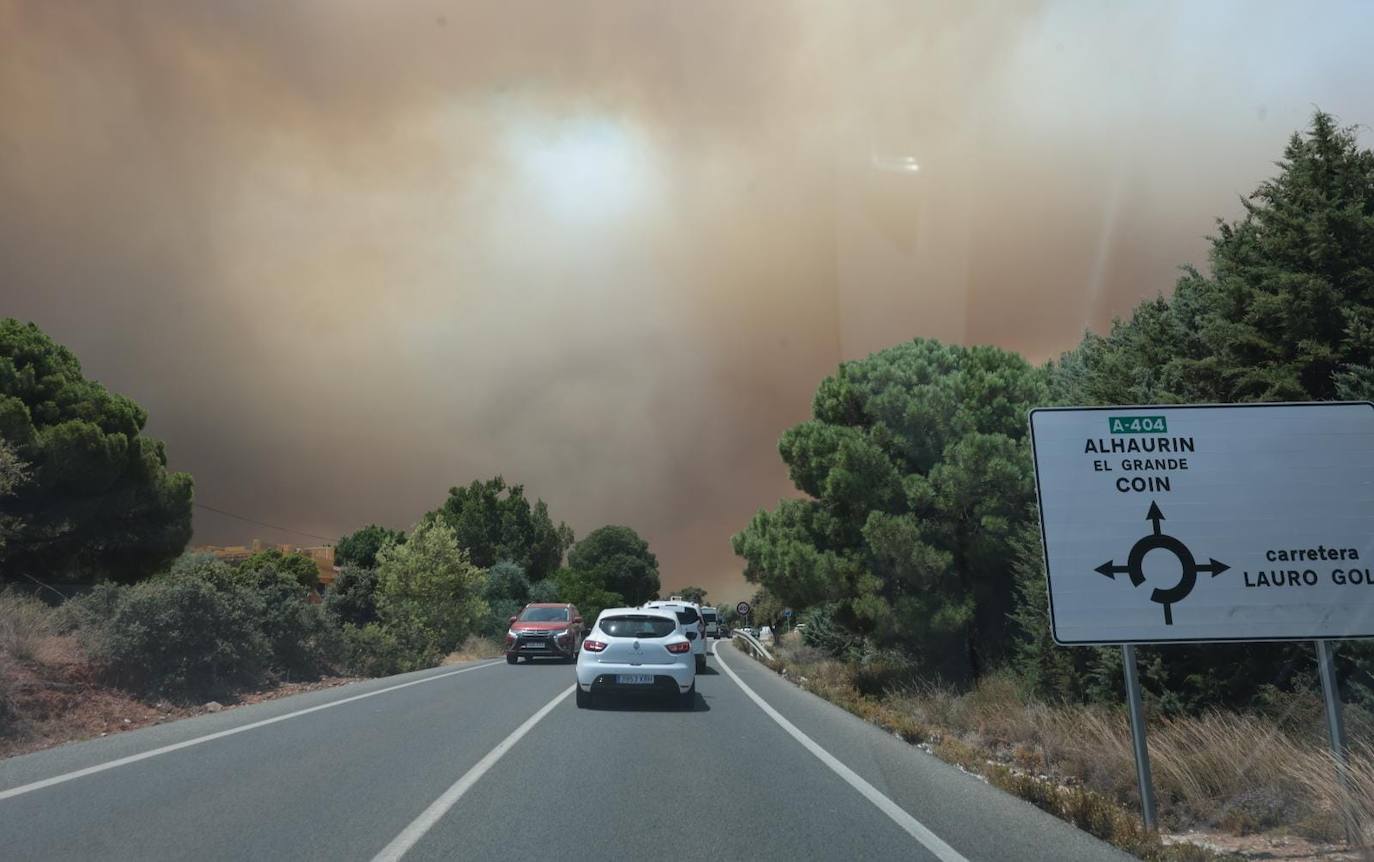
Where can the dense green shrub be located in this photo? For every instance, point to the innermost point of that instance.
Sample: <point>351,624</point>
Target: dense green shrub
<point>379,650</point>
<point>352,598</point>
<point>304,642</point>
<point>544,591</point>
<point>498,617</point>
<point>89,613</point>
<point>428,592</point>
<point>301,568</point>
<point>821,631</point>
<point>183,637</point>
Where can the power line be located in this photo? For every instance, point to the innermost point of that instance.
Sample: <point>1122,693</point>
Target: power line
<point>263,523</point>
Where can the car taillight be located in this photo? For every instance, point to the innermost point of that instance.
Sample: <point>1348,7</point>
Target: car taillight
<point>680,647</point>
<point>593,646</point>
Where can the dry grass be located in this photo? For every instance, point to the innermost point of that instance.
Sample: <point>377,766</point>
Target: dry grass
<point>1319,778</point>
<point>1226,771</point>
<point>25,623</point>
<point>474,648</point>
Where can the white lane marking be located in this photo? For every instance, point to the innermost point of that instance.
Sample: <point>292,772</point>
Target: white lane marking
<point>439,807</point>
<point>913,827</point>
<point>166,749</point>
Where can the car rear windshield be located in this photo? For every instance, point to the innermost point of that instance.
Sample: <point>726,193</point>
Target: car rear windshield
<point>637,626</point>
<point>544,615</point>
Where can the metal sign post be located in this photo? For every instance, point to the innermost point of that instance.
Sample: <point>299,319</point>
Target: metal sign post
<point>1335,728</point>
<point>1142,753</point>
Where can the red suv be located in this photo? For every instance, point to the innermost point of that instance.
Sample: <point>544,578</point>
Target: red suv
<point>544,629</point>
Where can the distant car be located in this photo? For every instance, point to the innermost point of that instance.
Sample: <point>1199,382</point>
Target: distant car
<point>712,620</point>
<point>692,624</point>
<point>636,650</point>
<point>749,630</point>
<point>544,629</point>
<point>766,635</point>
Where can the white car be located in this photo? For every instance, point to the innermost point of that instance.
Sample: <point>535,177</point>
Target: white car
<point>693,626</point>
<point>712,620</point>
<point>636,650</point>
<point>766,635</point>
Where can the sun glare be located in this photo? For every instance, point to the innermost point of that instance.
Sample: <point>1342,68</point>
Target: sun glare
<point>586,169</point>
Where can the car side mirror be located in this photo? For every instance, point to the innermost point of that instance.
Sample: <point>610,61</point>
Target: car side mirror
<point>512,619</point>
<point>577,620</point>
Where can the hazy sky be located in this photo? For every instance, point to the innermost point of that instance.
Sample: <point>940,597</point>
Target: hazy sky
<point>349,254</point>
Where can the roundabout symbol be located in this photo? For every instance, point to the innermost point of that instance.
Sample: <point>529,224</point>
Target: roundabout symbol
<point>1158,540</point>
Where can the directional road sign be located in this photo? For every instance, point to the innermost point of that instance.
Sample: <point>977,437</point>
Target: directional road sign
<point>1236,523</point>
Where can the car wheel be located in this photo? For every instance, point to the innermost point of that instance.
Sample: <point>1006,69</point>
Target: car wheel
<point>701,665</point>
<point>512,658</point>
<point>688,698</point>
<point>584,698</point>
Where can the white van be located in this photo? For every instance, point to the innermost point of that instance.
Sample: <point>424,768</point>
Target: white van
<point>712,620</point>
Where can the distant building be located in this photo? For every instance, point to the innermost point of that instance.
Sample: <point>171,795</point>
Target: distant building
<point>323,556</point>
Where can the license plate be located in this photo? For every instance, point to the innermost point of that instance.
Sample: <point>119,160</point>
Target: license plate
<point>634,679</point>
<point>534,645</point>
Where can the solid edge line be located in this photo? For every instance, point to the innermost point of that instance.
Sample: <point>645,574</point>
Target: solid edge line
<point>409,836</point>
<point>911,825</point>
<point>177,746</point>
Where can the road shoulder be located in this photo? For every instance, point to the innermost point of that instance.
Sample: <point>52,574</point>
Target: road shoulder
<point>978,820</point>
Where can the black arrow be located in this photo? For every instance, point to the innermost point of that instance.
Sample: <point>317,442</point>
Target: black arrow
<point>1111,570</point>
<point>1155,515</point>
<point>1214,566</point>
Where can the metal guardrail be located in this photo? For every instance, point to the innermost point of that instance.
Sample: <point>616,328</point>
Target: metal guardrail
<point>754,643</point>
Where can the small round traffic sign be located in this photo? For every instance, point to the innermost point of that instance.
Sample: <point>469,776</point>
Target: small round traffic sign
<point>742,609</point>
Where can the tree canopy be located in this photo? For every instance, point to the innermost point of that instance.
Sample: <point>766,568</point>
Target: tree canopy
<point>429,593</point>
<point>12,472</point>
<point>99,501</point>
<point>360,547</point>
<point>917,471</point>
<point>617,560</point>
<point>296,566</point>
<point>494,521</point>
<point>1287,312</point>
<point>696,595</point>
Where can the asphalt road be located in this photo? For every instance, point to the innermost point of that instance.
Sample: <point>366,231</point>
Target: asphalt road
<point>492,761</point>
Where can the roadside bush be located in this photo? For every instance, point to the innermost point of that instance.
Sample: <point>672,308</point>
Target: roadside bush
<point>544,591</point>
<point>87,615</point>
<point>506,580</point>
<point>498,617</point>
<point>352,598</point>
<point>303,641</point>
<point>181,637</point>
<point>379,650</point>
<point>428,591</point>
<point>824,633</point>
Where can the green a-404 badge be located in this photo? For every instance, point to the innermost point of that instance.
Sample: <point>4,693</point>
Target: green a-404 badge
<point>1137,425</point>
<point>1159,540</point>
